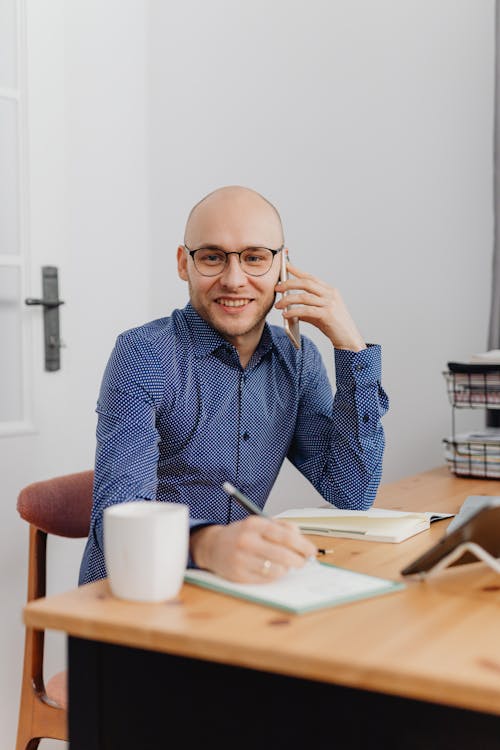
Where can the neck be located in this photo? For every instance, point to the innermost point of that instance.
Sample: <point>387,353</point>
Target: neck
<point>246,344</point>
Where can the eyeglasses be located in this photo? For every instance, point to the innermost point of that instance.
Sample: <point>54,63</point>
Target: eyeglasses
<point>254,261</point>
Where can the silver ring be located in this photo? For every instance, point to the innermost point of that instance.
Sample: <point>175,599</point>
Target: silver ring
<point>266,567</point>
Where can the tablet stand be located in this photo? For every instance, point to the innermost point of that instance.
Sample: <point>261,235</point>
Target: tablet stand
<point>471,547</point>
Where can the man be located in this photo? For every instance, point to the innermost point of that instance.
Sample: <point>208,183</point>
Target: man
<point>213,394</point>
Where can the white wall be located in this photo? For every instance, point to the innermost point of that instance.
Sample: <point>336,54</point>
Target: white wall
<point>89,215</point>
<point>370,127</point>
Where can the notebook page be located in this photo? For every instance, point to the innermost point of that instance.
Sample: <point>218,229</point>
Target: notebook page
<point>312,586</point>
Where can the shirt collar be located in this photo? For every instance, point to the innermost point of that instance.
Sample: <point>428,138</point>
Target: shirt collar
<point>207,340</point>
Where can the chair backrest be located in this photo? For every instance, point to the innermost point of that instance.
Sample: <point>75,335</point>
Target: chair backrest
<point>60,506</point>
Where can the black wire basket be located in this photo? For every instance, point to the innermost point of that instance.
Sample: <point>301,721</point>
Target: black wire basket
<point>473,386</point>
<point>473,458</point>
<point>477,387</point>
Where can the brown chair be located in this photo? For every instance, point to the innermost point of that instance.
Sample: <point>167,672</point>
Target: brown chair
<point>60,506</point>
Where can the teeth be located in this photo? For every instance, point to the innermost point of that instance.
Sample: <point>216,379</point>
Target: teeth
<point>233,302</point>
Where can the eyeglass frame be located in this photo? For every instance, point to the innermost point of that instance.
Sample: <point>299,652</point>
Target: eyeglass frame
<point>232,252</point>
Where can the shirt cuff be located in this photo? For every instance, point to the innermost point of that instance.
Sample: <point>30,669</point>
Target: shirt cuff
<point>356,368</point>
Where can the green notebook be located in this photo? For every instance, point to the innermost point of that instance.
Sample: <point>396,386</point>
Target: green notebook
<point>314,586</point>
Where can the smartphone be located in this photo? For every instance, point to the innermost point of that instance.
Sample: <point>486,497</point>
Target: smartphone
<point>291,325</point>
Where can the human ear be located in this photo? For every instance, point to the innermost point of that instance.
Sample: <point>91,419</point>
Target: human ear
<point>182,260</point>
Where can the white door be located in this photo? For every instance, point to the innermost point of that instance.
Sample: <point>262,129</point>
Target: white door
<point>69,199</point>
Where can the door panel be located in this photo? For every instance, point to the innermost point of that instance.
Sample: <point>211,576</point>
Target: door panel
<point>11,392</point>
<point>9,182</point>
<point>8,44</point>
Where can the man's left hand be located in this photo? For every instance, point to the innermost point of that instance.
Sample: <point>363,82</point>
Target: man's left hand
<point>321,305</point>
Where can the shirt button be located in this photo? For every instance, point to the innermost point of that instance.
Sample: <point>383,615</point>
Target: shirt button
<point>358,368</point>
<point>366,418</point>
<point>245,436</point>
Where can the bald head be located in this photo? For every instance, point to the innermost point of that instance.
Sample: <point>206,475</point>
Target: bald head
<point>234,216</point>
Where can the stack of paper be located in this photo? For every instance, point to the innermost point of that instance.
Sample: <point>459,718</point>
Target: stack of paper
<point>475,453</point>
<point>471,388</point>
<point>376,524</point>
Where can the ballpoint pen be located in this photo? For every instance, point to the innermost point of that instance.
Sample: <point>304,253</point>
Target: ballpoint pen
<point>244,500</point>
<point>254,509</point>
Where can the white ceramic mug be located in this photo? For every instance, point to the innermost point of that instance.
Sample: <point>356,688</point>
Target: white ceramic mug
<point>146,549</point>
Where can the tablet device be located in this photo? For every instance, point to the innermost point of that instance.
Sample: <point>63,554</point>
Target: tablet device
<point>482,529</point>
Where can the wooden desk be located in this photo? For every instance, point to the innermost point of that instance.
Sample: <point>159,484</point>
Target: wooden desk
<point>425,660</point>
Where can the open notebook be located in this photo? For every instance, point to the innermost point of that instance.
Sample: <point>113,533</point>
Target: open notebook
<point>314,586</point>
<point>375,525</point>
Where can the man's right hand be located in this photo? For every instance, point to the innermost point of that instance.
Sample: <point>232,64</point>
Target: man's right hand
<point>254,550</point>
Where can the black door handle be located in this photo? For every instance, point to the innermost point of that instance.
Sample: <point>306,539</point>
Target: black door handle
<point>44,302</point>
<point>50,303</point>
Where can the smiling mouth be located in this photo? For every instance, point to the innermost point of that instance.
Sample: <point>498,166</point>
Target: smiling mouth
<point>232,302</point>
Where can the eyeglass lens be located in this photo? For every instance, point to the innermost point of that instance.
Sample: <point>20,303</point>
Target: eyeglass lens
<point>255,261</point>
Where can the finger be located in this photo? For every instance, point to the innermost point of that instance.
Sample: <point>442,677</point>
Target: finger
<point>303,298</point>
<point>307,313</point>
<point>256,564</point>
<point>288,535</point>
<point>298,273</point>
<point>278,540</point>
<point>264,563</point>
<point>259,570</point>
<point>271,571</point>
<point>282,555</point>
<point>281,534</point>
<point>315,286</point>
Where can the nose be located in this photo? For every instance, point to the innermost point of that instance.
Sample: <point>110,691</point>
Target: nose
<point>233,275</point>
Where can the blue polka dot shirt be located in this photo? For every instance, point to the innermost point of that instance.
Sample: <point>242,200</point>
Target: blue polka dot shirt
<point>178,416</point>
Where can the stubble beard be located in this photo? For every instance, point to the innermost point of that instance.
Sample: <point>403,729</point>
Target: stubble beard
<point>227,333</point>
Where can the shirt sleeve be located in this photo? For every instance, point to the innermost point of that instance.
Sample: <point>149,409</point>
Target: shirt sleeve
<point>127,438</point>
<point>339,441</point>
<point>126,435</point>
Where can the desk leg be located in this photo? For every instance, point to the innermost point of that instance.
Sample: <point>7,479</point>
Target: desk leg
<point>129,699</point>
